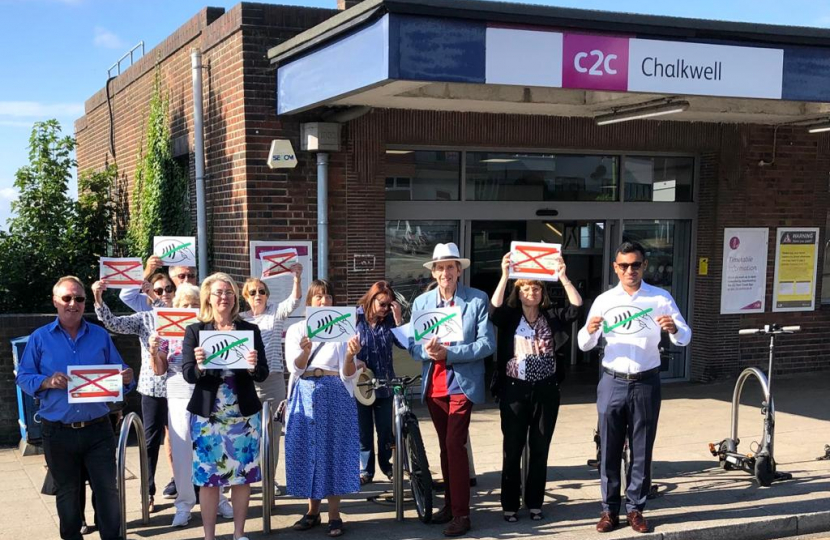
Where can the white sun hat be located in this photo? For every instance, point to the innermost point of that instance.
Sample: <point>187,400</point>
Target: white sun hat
<point>446,252</point>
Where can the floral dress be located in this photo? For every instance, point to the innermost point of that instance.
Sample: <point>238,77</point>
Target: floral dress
<point>226,445</point>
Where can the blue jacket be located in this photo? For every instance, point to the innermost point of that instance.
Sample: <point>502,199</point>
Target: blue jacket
<point>466,359</point>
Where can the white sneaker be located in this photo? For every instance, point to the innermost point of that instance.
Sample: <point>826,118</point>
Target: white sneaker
<point>181,518</point>
<point>225,509</point>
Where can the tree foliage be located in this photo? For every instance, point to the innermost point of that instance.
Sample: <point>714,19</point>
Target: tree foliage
<point>50,234</point>
<point>160,199</point>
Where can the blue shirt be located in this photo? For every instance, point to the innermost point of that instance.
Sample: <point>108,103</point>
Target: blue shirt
<point>51,349</point>
<point>376,348</point>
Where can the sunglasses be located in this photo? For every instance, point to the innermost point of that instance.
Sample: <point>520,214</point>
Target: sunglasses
<point>166,289</point>
<point>188,276</point>
<point>67,298</point>
<point>254,292</point>
<point>625,266</point>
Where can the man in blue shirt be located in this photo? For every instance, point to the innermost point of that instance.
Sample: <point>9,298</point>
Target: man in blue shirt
<point>75,435</point>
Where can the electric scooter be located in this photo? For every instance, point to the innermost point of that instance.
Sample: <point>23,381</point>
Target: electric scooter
<point>761,462</point>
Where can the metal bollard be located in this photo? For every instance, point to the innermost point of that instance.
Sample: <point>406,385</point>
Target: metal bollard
<point>133,420</point>
<point>267,465</point>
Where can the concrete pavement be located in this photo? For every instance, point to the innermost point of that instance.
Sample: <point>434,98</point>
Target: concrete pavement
<point>698,500</point>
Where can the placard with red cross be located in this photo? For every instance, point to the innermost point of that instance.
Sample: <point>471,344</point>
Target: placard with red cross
<point>278,263</point>
<point>122,273</point>
<point>171,322</point>
<point>94,384</point>
<point>534,260</point>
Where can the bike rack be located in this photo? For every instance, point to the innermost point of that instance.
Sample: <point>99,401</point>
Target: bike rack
<point>266,450</point>
<point>736,398</point>
<point>130,421</point>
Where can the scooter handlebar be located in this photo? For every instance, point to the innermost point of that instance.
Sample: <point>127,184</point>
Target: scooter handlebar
<point>770,329</point>
<point>791,328</point>
<point>750,331</point>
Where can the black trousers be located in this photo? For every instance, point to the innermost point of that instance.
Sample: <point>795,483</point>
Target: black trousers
<point>154,416</point>
<point>627,409</point>
<point>528,416</point>
<point>67,452</point>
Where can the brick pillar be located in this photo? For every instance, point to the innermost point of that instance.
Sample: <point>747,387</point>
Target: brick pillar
<point>346,4</point>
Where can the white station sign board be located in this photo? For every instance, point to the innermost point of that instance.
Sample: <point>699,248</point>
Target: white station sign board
<point>281,155</point>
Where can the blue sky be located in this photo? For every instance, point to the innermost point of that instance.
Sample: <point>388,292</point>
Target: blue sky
<point>56,52</point>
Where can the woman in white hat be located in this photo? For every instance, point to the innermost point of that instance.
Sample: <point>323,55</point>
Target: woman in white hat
<point>453,378</point>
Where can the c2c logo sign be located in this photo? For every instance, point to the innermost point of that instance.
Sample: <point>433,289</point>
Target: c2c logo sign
<point>595,62</point>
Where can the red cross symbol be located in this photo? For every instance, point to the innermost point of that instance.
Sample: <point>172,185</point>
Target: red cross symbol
<point>118,272</point>
<point>171,323</point>
<point>92,376</point>
<point>280,262</point>
<point>532,262</point>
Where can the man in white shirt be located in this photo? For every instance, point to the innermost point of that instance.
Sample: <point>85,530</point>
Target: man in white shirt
<point>631,318</point>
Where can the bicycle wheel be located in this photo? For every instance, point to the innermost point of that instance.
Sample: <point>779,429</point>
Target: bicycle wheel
<point>420,479</point>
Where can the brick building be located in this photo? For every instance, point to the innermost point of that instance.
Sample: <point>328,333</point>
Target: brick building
<point>466,117</point>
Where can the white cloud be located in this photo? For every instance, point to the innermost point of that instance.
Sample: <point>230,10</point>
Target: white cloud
<point>8,194</point>
<point>106,39</point>
<point>34,109</point>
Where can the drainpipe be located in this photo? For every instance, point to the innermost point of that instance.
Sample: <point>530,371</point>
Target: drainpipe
<point>199,159</point>
<point>322,215</point>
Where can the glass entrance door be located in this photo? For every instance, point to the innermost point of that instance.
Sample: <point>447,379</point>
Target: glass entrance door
<point>583,244</point>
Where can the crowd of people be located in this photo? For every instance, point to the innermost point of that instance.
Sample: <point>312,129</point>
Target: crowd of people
<point>211,417</point>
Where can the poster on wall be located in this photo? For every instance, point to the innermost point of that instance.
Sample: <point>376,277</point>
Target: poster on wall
<point>796,263</point>
<point>744,280</point>
<point>280,286</point>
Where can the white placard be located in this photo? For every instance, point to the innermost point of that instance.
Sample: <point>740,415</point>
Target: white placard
<point>281,287</point>
<point>121,273</point>
<point>94,384</point>
<point>442,323</point>
<point>744,280</point>
<point>226,349</point>
<point>676,67</point>
<point>278,263</point>
<point>534,260</point>
<point>331,324</point>
<point>175,250</point>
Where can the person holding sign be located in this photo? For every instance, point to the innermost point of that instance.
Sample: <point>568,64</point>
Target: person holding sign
<point>530,367</point>
<point>225,424</point>
<point>268,316</point>
<point>322,456</point>
<point>631,318</point>
<point>150,386</point>
<point>138,298</point>
<point>377,314</point>
<point>77,435</point>
<point>453,378</point>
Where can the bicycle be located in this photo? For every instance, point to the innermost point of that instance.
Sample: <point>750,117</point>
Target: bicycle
<point>408,455</point>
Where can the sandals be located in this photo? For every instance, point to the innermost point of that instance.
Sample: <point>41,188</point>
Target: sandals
<point>307,522</point>
<point>536,515</point>
<point>336,528</point>
<point>511,517</point>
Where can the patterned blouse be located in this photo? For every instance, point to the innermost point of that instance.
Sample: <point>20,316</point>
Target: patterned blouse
<point>376,348</point>
<point>534,358</point>
<point>143,325</point>
<point>270,324</point>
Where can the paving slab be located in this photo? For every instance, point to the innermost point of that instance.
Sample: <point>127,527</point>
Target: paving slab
<point>697,500</point>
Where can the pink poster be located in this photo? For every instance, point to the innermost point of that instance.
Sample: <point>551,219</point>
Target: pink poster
<point>595,62</point>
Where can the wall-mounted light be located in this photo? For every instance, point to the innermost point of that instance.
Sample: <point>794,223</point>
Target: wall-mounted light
<point>819,128</point>
<point>638,113</point>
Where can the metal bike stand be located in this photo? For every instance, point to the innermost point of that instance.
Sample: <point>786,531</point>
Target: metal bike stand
<point>266,450</point>
<point>132,420</point>
<point>762,464</point>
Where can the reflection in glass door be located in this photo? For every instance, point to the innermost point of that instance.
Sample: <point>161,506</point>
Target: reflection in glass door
<point>667,243</point>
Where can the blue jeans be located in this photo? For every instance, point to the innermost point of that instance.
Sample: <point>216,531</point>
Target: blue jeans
<point>379,416</point>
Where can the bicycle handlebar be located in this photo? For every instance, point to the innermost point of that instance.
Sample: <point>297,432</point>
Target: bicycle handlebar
<point>396,381</point>
<point>769,329</point>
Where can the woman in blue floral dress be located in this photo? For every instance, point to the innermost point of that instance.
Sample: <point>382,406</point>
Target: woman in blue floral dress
<point>226,421</point>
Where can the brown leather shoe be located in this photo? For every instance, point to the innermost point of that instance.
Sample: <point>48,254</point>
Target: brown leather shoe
<point>442,516</point>
<point>608,522</point>
<point>637,521</point>
<point>458,526</point>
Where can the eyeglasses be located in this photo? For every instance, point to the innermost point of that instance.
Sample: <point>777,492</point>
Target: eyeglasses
<point>254,292</point>
<point>166,289</point>
<point>187,275</point>
<point>223,294</point>
<point>635,266</point>
<point>67,298</point>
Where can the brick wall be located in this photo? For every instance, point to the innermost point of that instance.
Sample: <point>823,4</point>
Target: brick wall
<point>14,326</point>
